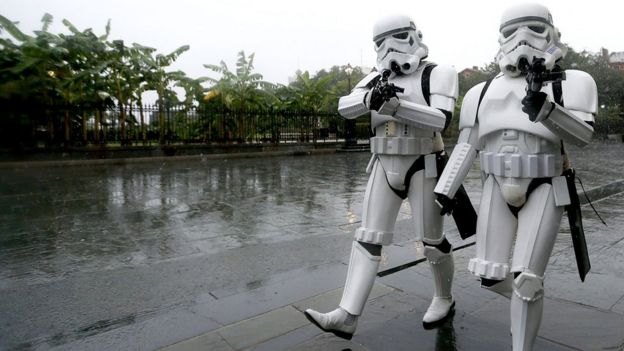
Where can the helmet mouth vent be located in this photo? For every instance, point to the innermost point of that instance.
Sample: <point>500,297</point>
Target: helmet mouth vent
<point>392,50</point>
<point>522,43</point>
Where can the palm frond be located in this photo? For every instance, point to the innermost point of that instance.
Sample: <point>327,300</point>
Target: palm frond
<point>107,31</point>
<point>47,21</point>
<point>70,26</point>
<point>11,28</point>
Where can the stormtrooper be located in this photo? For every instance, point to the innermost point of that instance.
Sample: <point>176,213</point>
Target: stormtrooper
<point>518,123</point>
<point>410,102</point>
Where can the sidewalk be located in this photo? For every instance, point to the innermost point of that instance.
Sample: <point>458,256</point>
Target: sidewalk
<point>577,316</point>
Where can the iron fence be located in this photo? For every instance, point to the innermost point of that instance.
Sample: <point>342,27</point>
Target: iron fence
<point>149,124</point>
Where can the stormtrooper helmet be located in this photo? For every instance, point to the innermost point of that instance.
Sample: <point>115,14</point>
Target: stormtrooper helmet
<point>398,44</point>
<point>527,31</point>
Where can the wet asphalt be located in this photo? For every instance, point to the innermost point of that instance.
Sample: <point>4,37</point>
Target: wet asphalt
<point>91,257</point>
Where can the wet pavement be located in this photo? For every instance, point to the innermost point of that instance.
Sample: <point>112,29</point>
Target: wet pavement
<point>223,253</point>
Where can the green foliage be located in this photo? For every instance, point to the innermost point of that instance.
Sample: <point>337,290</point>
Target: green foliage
<point>321,91</point>
<point>476,76</point>
<point>81,73</point>
<point>309,94</point>
<point>86,74</point>
<point>240,89</point>
<point>609,80</point>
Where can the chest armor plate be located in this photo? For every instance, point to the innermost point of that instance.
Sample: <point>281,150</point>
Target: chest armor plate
<point>501,109</point>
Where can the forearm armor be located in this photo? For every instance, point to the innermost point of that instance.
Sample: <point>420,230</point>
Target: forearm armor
<point>354,104</point>
<point>459,164</point>
<point>420,116</point>
<point>566,124</point>
<point>572,123</point>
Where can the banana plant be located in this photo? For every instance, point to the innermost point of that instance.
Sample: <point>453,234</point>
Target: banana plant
<point>39,62</point>
<point>241,89</point>
<point>84,83</point>
<point>161,80</point>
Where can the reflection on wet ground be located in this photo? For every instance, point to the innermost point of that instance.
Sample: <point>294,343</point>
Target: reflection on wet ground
<point>54,221</point>
<point>59,220</point>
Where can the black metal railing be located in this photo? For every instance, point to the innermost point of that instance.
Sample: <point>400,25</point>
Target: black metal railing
<point>26,127</point>
<point>149,124</point>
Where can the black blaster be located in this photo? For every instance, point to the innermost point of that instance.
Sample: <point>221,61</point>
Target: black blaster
<point>383,91</point>
<point>537,75</point>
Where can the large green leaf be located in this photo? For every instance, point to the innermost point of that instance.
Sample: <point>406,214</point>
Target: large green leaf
<point>12,29</point>
<point>47,21</point>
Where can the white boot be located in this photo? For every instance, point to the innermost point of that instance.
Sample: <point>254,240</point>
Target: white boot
<point>442,268</point>
<point>360,278</point>
<point>338,321</point>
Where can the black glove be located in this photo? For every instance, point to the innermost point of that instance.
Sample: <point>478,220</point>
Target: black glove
<point>447,204</point>
<point>533,103</point>
<point>382,93</point>
<point>377,99</point>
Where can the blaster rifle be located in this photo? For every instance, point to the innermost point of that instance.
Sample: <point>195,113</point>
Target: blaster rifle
<point>537,75</point>
<point>384,91</point>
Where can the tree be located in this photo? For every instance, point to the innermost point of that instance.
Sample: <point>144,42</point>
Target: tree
<point>610,84</point>
<point>309,94</point>
<point>82,80</point>
<point>31,76</point>
<point>240,90</point>
<point>161,80</point>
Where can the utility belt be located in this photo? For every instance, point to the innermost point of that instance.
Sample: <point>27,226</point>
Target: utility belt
<point>520,165</point>
<point>401,145</point>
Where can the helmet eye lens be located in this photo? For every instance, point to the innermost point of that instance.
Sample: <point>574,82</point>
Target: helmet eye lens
<point>402,35</point>
<point>379,42</point>
<point>537,29</point>
<point>508,32</point>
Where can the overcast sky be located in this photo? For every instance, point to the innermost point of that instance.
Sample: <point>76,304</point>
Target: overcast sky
<point>312,35</point>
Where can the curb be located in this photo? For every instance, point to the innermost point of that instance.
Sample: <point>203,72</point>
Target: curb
<point>135,160</point>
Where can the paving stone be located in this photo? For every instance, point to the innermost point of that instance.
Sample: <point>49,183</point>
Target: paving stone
<point>327,342</point>
<point>598,290</point>
<point>151,334</point>
<point>209,341</point>
<point>288,340</point>
<point>619,306</point>
<point>581,326</point>
<point>264,327</point>
<point>278,292</point>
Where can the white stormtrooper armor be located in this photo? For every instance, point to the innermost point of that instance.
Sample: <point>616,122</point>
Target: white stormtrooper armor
<point>524,193</point>
<point>403,166</point>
